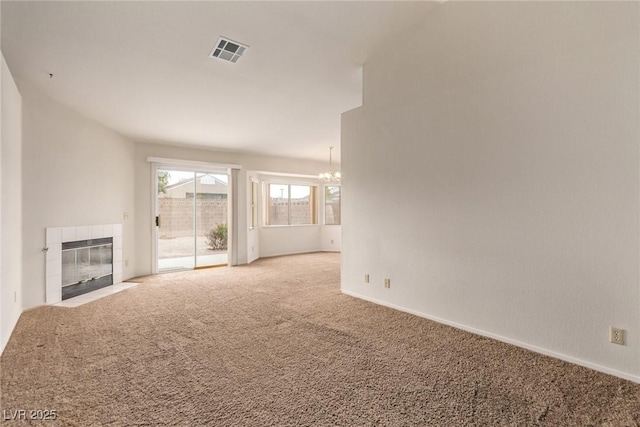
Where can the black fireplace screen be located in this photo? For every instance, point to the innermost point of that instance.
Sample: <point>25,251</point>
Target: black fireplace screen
<point>87,265</point>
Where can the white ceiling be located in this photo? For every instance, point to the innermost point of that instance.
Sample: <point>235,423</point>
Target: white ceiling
<point>142,68</point>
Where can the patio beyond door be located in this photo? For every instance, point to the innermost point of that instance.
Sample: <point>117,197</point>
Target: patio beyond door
<point>192,211</point>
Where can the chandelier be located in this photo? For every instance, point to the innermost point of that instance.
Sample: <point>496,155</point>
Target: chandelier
<point>330,176</point>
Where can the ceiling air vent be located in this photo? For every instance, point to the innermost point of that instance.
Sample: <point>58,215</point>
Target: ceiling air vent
<point>228,50</point>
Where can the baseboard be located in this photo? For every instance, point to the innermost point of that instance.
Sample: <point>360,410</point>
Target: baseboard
<point>319,251</point>
<point>541,350</point>
<point>33,307</point>
<point>289,253</point>
<point>4,342</point>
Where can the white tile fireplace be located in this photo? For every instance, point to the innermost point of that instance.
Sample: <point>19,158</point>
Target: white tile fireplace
<point>56,236</point>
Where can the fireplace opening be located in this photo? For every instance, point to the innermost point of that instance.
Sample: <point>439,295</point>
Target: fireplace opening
<point>87,265</point>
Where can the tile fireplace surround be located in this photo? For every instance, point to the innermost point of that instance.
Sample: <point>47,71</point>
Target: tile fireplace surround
<point>56,236</point>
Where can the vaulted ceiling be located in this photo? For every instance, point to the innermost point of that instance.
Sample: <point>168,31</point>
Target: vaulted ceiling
<point>143,68</point>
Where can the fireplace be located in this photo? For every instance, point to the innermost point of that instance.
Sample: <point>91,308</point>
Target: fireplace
<point>81,259</point>
<point>87,265</point>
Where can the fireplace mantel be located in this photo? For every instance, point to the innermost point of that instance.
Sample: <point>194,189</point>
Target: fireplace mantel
<point>56,236</point>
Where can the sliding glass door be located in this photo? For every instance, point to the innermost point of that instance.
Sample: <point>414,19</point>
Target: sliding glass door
<point>191,219</point>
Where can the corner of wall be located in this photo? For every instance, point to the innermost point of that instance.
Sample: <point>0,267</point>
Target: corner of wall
<point>253,235</point>
<point>3,342</point>
<point>11,289</point>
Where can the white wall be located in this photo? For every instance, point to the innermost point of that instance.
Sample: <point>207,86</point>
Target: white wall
<point>253,233</point>
<point>242,227</point>
<point>3,340</point>
<point>76,172</point>
<point>249,162</point>
<point>331,238</point>
<point>493,175</point>
<point>286,240</point>
<point>10,206</point>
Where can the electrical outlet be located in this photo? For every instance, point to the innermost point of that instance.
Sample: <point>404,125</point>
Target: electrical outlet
<point>332,241</point>
<point>617,336</point>
<point>387,283</point>
<point>126,263</point>
<point>366,278</point>
<point>125,215</point>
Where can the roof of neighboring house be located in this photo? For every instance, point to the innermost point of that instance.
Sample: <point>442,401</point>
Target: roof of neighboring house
<point>211,177</point>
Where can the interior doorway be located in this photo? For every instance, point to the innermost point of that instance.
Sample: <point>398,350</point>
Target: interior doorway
<point>192,217</point>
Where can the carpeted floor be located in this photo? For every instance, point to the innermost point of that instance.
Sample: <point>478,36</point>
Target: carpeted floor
<point>276,343</point>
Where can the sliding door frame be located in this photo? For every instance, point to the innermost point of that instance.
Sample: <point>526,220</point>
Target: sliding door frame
<point>195,166</point>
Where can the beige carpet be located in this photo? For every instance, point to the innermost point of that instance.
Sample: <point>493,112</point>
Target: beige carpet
<point>276,343</point>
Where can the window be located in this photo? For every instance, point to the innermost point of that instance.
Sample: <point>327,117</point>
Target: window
<point>254,204</point>
<point>291,204</point>
<point>332,205</point>
<point>208,196</point>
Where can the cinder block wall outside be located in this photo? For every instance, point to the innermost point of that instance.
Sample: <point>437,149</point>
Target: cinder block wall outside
<point>176,216</point>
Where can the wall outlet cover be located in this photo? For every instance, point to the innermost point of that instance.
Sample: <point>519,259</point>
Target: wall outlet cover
<point>617,336</point>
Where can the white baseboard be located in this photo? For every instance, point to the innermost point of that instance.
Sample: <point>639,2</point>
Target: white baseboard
<point>546,352</point>
<point>274,255</point>
<point>5,340</point>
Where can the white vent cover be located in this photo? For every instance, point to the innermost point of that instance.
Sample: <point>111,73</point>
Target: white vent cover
<point>228,50</point>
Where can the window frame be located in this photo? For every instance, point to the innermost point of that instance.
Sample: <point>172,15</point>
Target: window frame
<point>253,204</point>
<point>324,203</point>
<point>313,199</point>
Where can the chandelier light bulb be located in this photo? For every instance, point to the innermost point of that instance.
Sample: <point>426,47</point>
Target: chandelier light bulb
<point>331,176</point>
